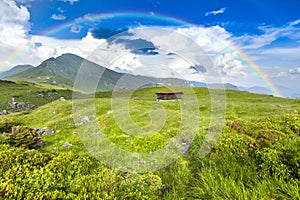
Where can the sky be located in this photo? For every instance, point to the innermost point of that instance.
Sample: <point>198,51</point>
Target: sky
<point>249,42</point>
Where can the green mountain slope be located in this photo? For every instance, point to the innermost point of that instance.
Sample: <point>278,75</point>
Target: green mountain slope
<point>62,71</point>
<point>15,70</point>
<point>27,96</point>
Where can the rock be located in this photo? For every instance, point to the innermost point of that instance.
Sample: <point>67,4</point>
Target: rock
<point>98,134</point>
<point>30,107</point>
<point>67,145</point>
<point>42,95</point>
<point>51,131</point>
<point>21,104</point>
<point>40,144</point>
<point>12,105</point>
<point>4,112</point>
<point>40,131</point>
<point>95,150</point>
<point>85,119</point>
<point>165,190</point>
<point>62,99</point>
<point>141,162</point>
<point>109,112</point>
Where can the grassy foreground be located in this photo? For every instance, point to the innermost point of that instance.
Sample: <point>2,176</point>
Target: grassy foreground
<point>257,155</point>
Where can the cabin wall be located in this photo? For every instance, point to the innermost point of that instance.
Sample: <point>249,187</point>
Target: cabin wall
<point>168,96</point>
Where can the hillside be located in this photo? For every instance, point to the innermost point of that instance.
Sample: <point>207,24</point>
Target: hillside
<point>256,156</point>
<point>62,71</point>
<point>24,96</point>
<point>15,70</point>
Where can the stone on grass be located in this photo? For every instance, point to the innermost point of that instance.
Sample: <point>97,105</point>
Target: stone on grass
<point>67,145</point>
<point>51,131</point>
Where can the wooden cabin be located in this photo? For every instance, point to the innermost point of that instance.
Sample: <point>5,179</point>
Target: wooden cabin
<point>169,95</point>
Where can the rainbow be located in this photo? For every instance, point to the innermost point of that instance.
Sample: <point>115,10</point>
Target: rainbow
<point>97,17</point>
<point>179,23</point>
<point>252,65</point>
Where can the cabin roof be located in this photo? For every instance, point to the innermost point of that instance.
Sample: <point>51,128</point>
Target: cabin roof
<point>169,92</point>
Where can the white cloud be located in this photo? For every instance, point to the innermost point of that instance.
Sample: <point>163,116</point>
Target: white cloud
<point>18,47</point>
<point>14,27</point>
<point>199,44</point>
<point>230,66</point>
<point>60,10</point>
<point>58,17</point>
<point>215,41</point>
<point>215,12</point>
<point>54,47</point>
<point>270,34</point>
<point>285,53</point>
<point>70,1</point>
<point>295,71</point>
<point>212,39</point>
<point>291,73</point>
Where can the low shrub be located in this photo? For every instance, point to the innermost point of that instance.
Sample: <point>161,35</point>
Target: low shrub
<point>23,136</point>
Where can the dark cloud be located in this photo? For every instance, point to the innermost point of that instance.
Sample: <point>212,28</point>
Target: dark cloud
<point>38,44</point>
<point>135,43</point>
<point>138,46</point>
<point>122,36</point>
<point>171,54</point>
<point>198,69</point>
<point>145,51</point>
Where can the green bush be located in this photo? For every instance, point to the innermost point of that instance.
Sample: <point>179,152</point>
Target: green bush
<point>29,174</point>
<point>23,136</point>
<point>140,186</point>
<point>7,124</point>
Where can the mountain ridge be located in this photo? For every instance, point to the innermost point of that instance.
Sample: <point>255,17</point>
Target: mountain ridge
<point>62,71</point>
<point>16,69</point>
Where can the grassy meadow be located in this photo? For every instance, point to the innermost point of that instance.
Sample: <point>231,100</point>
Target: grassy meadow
<point>257,155</point>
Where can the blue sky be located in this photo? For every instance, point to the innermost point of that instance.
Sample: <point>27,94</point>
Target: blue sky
<point>239,16</point>
<point>267,31</point>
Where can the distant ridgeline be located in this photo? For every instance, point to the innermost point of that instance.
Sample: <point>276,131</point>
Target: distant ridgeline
<point>62,71</point>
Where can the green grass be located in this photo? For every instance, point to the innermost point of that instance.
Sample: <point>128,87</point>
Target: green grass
<point>256,156</point>
<point>28,93</point>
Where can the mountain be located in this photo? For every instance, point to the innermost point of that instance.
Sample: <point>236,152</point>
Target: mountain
<point>288,92</point>
<point>62,71</point>
<point>55,71</point>
<point>257,90</point>
<point>15,70</point>
<point>226,86</point>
